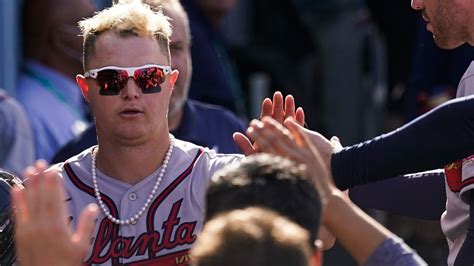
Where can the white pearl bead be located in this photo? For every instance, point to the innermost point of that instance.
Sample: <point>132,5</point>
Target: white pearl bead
<point>150,197</point>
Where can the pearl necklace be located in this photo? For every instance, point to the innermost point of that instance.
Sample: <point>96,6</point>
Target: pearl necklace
<point>135,217</point>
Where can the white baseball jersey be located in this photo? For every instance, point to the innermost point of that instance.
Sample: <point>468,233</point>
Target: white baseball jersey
<point>459,180</point>
<point>168,229</point>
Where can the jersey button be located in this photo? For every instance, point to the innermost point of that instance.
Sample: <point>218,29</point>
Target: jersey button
<point>132,196</point>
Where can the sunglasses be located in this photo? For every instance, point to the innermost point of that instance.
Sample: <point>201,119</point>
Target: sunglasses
<point>112,79</point>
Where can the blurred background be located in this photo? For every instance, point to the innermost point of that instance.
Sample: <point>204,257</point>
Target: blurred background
<point>358,68</point>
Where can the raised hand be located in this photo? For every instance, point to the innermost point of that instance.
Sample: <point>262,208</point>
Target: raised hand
<point>298,144</point>
<point>42,233</point>
<point>278,109</point>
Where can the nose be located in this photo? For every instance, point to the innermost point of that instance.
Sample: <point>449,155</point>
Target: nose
<point>417,4</point>
<point>131,90</point>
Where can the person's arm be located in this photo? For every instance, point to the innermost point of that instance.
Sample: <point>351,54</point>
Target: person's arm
<point>444,135</point>
<point>466,254</point>
<point>366,240</point>
<point>401,195</point>
<point>358,233</point>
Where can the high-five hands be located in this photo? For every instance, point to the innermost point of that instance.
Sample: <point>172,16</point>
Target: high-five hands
<point>42,232</point>
<point>279,109</point>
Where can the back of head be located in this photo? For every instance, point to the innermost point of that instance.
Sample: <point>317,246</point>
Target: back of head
<point>267,181</point>
<point>125,20</point>
<point>251,237</point>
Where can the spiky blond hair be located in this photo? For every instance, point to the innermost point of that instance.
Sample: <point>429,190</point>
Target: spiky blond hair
<point>126,19</point>
<point>157,5</point>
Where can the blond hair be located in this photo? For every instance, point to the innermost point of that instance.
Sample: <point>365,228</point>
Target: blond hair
<point>126,19</point>
<point>252,236</point>
<point>159,5</point>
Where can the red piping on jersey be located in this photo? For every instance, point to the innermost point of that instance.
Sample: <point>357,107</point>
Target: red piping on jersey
<point>467,182</point>
<point>154,206</point>
<point>106,199</point>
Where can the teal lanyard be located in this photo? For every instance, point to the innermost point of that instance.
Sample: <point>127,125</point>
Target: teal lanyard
<point>49,87</point>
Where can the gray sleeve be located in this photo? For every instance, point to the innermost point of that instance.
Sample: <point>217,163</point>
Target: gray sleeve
<point>393,251</point>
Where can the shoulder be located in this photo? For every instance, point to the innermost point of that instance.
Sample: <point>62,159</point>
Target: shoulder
<point>77,163</point>
<point>466,83</point>
<point>189,151</point>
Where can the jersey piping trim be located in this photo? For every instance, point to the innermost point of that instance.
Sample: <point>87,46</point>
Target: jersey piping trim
<point>106,199</point>
<point>158,200</point>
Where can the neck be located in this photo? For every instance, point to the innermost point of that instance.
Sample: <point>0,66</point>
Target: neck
<point>175,119</point>
<point>131,164</point>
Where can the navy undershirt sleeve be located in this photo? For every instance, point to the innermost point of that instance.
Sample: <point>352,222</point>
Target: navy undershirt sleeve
<point>443,135</point>
<point>401,195</point>
<point>466,254</point>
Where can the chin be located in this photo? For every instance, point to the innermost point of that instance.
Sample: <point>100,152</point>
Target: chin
<point>131,134</point>
<point>448,44</point>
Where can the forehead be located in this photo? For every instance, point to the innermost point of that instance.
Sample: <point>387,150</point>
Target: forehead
<point>112,49</point>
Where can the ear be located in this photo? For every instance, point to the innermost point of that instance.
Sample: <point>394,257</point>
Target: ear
<point>82,82</point>
<point>173,77</point>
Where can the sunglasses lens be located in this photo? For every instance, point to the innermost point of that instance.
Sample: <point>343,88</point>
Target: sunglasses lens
<point>111,81</point>
<point>149,79</point>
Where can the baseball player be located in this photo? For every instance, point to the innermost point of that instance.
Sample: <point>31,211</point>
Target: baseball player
<point>149,186</point>
<point>456,221</point>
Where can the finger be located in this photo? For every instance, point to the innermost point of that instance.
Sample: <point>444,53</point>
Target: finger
<point>261,138</point>
<point>276,135</point>
<point>289,106</point>
<point>278,112</point>
<point>294,127</point>
<point>32,191</point>
<point>244,144</point>
<point>267,107</point>
<point>283,140</point>
<point>300,117</point>
<point>85,226</point>
<point>19,201</point>
<point>56,197</point>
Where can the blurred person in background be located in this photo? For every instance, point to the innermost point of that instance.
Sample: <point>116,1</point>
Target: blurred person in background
<point>52,50</point>
<point>214,77</point>
<point>16,138</point>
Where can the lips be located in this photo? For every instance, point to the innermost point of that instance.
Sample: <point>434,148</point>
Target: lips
<point>131,111</point>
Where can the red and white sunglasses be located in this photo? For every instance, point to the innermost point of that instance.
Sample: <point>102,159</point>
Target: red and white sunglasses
<point>112,79</point>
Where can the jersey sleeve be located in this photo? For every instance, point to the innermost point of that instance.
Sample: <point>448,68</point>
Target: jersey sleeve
<point>208,163</point>
<point>467,181</point>
<point>401,195</point>
<point>431,141</point>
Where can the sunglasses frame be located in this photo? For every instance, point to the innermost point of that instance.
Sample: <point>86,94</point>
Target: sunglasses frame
<point>130,70</point>
<point>93,73</point>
